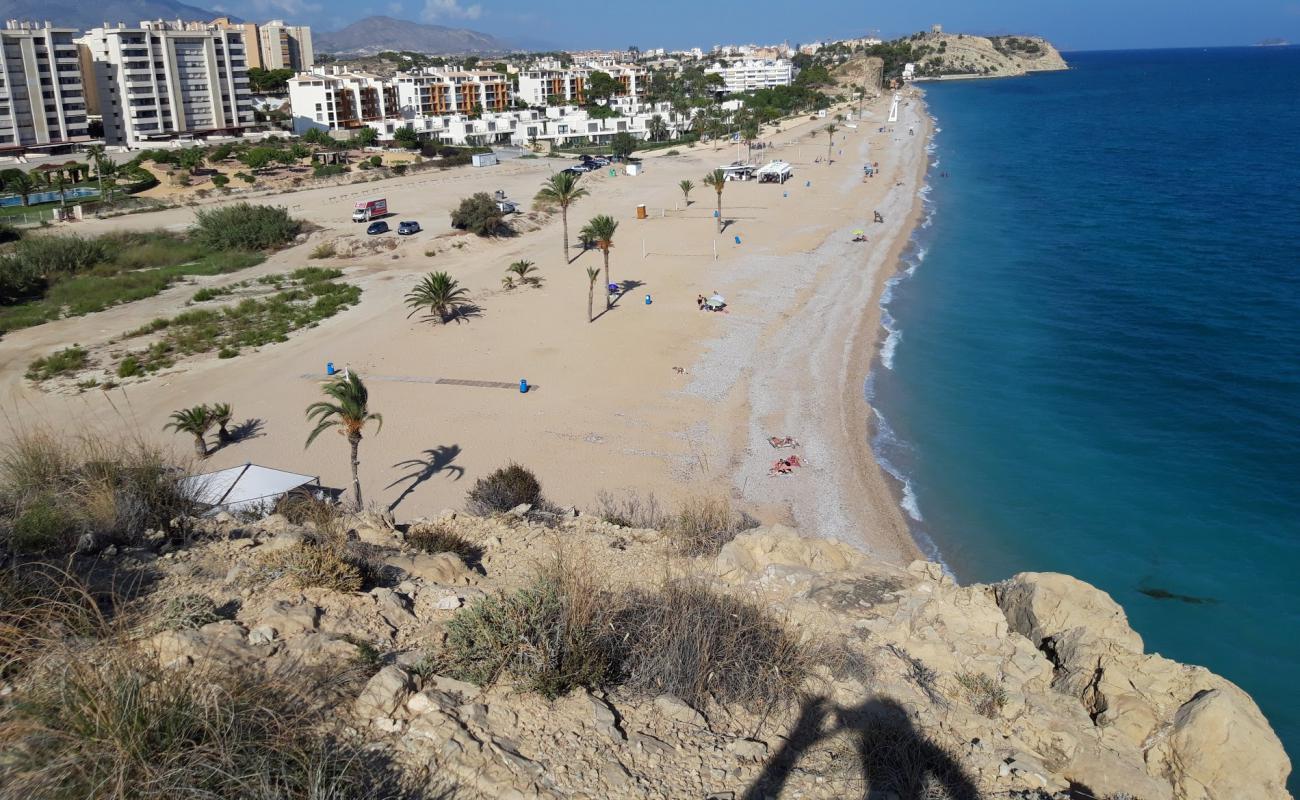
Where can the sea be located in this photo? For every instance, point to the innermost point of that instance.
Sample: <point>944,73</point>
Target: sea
<point>1092,362</point>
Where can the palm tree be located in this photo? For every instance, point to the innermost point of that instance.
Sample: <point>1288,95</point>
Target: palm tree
<point>686,187</point>
<point>830,140</point>
<point>717,180</point>
<point>196,422</point>
<point>523,271</point>
<point>657,128</point>
<point>440,293</point>
<point>60,185</point>
<point>348,413</point>
<point>222,414</point>
<point>562,189</point>
<point>20,183</point>
<point>601,229</point>
<point>749,131</point>
<point>96,153</point>
<point>593,274</point>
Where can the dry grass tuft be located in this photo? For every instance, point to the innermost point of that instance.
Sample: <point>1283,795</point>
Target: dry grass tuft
<point>440,537</point>
<point>631,510</point>
<point>704,524</point>
<point>985,694</point>
<point>327,565</point>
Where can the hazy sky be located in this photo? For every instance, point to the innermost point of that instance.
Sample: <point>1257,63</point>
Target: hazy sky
<point>1071,24</point>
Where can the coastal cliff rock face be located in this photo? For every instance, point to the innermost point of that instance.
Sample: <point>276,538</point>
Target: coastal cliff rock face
<point>996,57</point>
<point>920,688</point>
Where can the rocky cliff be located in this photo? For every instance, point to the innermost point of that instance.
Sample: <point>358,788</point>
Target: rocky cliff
<point>914,687</point>
<point>962,55</point>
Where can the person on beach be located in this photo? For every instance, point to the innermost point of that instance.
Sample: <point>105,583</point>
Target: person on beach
<point>699,302</point>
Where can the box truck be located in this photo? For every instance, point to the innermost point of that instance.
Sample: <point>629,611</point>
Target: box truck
<point>366,210</point>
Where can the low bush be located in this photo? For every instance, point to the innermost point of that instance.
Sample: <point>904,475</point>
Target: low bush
<point>244,226</point>
<point>631,510</point>
<point>188,612</point>
<point>323,515</point>
<point>691,641</point>
<point>328,170</point>
<point>328,564</point>
<point>439,537</point>
<point>63,362</point>
<point>704,524</point>
<point>118,725</point>
<point>129,367</point>
<point>565,630</point>
<point>504,489</point>
<point>479,214</point>
<point>547,637</point>
<point>986,695</point>
<point>324,250</point>
<point>53,489</point>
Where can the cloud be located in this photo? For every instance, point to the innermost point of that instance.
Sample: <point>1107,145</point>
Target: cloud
<point>435,10</point>
<point>395,8</point>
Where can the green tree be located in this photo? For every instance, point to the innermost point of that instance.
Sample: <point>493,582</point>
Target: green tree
<point>222,413</point>
<point>441,294</point>
<point>258,158</point>
<point>601,230</point>
<point>20,183</point>
<point>195,421</point>
<point>717,181</point>
<point>478,214</point>
<point>365,137</point>
<point>561,189</point>
<point>348,411</point>
<point>407,137</point>
<point>593,275</point>
<point>686,186</point>
<point>622,144</point>
<point>601,86</point>
<point>749,131</point>
<point>830,140</point>
<point>191,158</point>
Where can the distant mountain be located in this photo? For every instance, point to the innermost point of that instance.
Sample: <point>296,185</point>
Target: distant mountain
<point>376,34</point>
<point>83,15</point>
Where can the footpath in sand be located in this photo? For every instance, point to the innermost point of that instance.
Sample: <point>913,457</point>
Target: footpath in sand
<point>609,410</point>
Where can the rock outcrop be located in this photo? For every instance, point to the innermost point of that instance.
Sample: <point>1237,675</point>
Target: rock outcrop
<point>1029,688</point>
<point>963,55</point>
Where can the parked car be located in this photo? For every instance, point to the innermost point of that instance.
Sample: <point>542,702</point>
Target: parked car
<point>600,161</point>
<point>408,227</point>
<point>377,228</point>
<point>507,206</point>
<point>572,170</point>
<point>581,168</point>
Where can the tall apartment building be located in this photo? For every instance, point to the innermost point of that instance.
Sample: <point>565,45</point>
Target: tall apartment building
<point>167,79</point>
<point>538,84</point>
<point>285,46</point>
<point>752,74</point>
<point>42,100</point>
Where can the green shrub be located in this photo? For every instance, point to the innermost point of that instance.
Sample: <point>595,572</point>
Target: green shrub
<point>64,362</point>
<point>324,250</point>
<point>400,169</point>
<point>43,527</point>
<point>704,524</point>
<point>479,214</point>
<point>58,256</point>
<point>129,367</point>
<point>376,161</point>
<point>544,638</point>
<point>504,489</point>
<point>244,226</point>
<point>220,181</point>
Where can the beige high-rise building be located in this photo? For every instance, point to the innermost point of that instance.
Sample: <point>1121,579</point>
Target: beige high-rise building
<point>168,79</point>
<point>42,100</point>
<point>285,46</point>
<point>253,45</point>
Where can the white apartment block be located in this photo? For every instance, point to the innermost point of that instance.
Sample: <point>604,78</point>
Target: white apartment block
<point>167,79</point>
<point>332,99</point>
<point>752,74</point>
<point>285,46</point>
<point>42,100</point>
<point>538,85</point>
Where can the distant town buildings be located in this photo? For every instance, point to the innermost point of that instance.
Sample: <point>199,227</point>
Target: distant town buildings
<point>42,99</point>
<point>753,74</point>
<point>332,98</point>
<point>166,79</point>
<point>544,84</point>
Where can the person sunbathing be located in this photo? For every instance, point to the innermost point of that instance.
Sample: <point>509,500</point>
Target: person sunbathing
<point>783,441</point>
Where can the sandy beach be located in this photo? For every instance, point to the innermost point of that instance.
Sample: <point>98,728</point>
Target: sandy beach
<point>609,409</point>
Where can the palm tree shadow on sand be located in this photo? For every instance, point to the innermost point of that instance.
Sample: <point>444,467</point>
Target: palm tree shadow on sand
<point>883,751</point>
<point>435,461</point>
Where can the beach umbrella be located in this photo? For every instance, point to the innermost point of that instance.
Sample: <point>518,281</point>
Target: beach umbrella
<point>714,302</point>
<point>718,299</point>
<point>859,232</point>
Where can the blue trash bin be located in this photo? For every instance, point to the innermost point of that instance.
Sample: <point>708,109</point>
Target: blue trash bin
<point>523,386</point>
<point>647,299</point>
<point>329,367</point>
<point>737,240</point>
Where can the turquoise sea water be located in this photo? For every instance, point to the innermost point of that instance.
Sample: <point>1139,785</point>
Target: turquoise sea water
<point>1094,367</point>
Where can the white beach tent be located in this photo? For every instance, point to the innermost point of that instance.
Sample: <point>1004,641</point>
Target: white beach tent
<point>245,488</point>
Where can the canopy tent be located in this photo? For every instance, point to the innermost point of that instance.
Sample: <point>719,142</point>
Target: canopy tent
<point>776,172</point>
<point>244,488</point>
